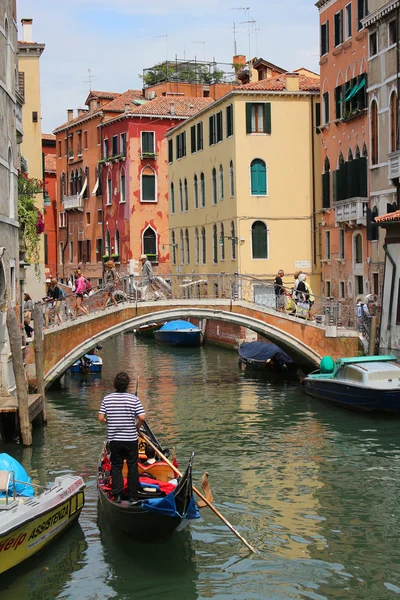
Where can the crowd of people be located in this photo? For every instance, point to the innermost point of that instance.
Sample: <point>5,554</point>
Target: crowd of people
<point>298,299</point>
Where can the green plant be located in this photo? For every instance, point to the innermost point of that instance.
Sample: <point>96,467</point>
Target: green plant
<point>30,218</point>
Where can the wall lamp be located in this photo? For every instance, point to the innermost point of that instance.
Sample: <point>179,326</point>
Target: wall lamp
<point>172,246</point>
<point>233,238</point>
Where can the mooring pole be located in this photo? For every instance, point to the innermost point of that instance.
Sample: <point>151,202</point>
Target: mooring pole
<point>39,354</point>
<point>14,335</point>
<point>372,336</point>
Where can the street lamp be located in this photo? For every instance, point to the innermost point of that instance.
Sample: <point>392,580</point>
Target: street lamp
<point>233,238</point>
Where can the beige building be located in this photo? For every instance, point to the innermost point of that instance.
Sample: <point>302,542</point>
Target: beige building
<point>29,53</point>
<point>244,184</point>
<point>10,138</point>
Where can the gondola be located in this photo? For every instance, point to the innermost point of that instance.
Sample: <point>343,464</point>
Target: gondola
<point>166,503</point>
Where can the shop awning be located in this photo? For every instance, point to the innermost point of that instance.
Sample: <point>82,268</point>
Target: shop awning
<point>355,89</point>
<point>96,187</point>
<point>83,188</point>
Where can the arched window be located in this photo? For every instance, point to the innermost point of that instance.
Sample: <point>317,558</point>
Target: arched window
<point>172,198</point>
<point>341,161</point>
<point>11,185</point>
<point>214,186</point>
<point>365,151</point>
<point>357,154</point>
<point>182,248</point>
<point>221,182</point>
<point>202,191</point>
<point>117,243</point>
<point>180,196</point>
<point>108,243</point>
<point>150,243</point>
<point>148,184</point>
<point>374,133</point>
<point>173,243</point>
<point>393,122</point>
<point>259,240</point>
<point>86,184</point>
<point>197,246</point>
<point>196,192</point>
<point>62,187</point>
<point>187,247</point>
<point>122,186</point>
<point>326,184</point>
<point>258,172</point>
<point>232,179</point>
<point>109,188</point>
<point>8,55</point>
<point>233,241</point>
<point>349,155</point>
<point>222,241</point>
<point>358,250</point>
<point>79,181</point>
<point>186,195</point>
<point>215,245</point>
<point>203,246</point>
<point>374,225</point>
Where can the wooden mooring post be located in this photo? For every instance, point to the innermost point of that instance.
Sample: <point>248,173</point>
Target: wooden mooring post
<point>14,335</point>
<point>39,354</point>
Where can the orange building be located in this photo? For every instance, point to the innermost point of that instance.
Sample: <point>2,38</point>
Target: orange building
<point>50,203</point>
<point>345,140</point>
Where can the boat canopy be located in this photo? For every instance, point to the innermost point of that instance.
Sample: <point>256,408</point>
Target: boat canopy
<point>263,351</point>
<point>366,359</point>
<point>178,326</point>
<point>22,487</point>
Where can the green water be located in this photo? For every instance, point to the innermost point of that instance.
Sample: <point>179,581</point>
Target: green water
<point>314,488</point>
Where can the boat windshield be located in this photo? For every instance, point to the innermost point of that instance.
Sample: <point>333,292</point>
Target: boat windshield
<point>352,373</point>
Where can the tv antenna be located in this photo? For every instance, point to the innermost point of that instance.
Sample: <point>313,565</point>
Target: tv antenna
<point>250,22</point>
<point>89,79</point>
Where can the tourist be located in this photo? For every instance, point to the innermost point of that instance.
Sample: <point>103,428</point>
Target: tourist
<point>53,303</point>
<point>28,309</point>
<point>124,415</point>
<point>148,279</point>
<point>80,288</point>
<point>111,277</point>
<point>279,291</point>
<point>303,297</point>
<point>296,283</point>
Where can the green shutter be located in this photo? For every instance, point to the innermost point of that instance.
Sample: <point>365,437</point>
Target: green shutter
<point>334,185</point>
<point>267,117</point>
<point>363,177</point>
<point>193,138</point>
<point>148,187</point>
<point>248,116</point>
<point>184,143</point>
<point>211,130</point>
<point>258,178</point>
<point>259,240</point>
<point>170,151</point>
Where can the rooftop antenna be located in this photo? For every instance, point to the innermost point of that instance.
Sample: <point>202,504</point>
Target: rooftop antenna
<point>246,10</point>
<point>89,80</point>
<point>250,22</point>
<point>255,31</point>
<point>204,49</point>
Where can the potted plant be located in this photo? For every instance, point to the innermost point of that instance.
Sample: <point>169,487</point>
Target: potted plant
<point>106,257</point>
<point>115,257</point>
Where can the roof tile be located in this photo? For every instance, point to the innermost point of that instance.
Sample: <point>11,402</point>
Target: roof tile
<point>172,106</point>
<point>278,84</point>
<point>393,216</point>
<point>50,163</point>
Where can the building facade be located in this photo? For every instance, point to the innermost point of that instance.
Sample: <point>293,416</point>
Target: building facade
<point>345,142</point>
<point>11,133</point>
<point>233,206</point>
<point>50,203</point>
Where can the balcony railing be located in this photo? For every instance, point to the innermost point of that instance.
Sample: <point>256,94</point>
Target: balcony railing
<point>353,211</point>
<point>394,165</point>
<point>74,202</point>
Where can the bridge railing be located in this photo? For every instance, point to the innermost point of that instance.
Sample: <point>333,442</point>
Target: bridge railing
<point>205,286</point>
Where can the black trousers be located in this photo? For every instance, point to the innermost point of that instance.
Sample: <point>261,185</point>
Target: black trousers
<point>119,452</point>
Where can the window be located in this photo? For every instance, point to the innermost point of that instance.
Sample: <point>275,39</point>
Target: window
<point>105,147</point>
<point>258,117</point>
<point>185,189</point>
<point>180,196</point>
<point>61,253</point>
<point>233,240</point>
<point>362,11</point>
<point>99,249</point>
<point>392,29</point>
<point>341,243</point>
<point>109,189</point>
<point>122,186</point>
<point>173,248</point>
<point>148,142</point>
<point>193,139</point>
<point>88,218</point>
<point>62,219</point>
<point>373,44</point>
<point>327,245</point>
<point>123,144</point>
<point>117,243</point>
<point>59,149</point>
<point>187,247</point>
<point>215,244</point>
<point>339,98</point>
<point>99,217</point>
<point>21,83</point>
<point>325,104</point>
<point>87,256</point>
<point>374,225</point>
<point>325,38</point>
<point>222,241</point>
<point>197,246</point>
<point>148,185</point>
<point>196,192</point>
<point>200,136</point>
<point>170,151</point>
<point>258,172</point>
<point>182,248</point>
<point>212,130</point>
<point>338,28</point>
<point>80,251</point>
<point>341,290</point>
<point>259,240</point>
<point>35,117</point>
<point>108,243</point>
<point>79,142</point>
<point>203,246</point>
<point>221,182</point>
<point>115,145</point>
<point>214,186</point>
<point>348,21</point>
<point>232,179</point>
<point>202,191</point>
<point>46,249</point>
<point>229,120</point>
<point>328,289</point>
<point>150,244</point>
<point>374,133</point>
<point>358,251</point>
<point>71,252</point>
<point>181,145</point>
<point>8,55</point>
<point>375,284</point>
<point>172,199</point>
<point>326,185</point>
<point>219,126</point>
<point>360,284</point>
<point>393,122</point>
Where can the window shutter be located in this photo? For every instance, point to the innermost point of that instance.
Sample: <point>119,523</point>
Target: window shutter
<point>369,224</point>
<point>184,143</point>
<point>248,116</point>
<point>193,139</point>
<point>170,151</point>
<point>219,127</point>
<point>21,83</point>
<point>326,200</point>
<point>148,187</point>
<point>267,117</point>
<point>363,177</point>
<point>200,136</point>
<point>211,127</point>
<point>318,116</point>
<point>334,185</point>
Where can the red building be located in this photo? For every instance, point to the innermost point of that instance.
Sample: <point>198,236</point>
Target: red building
<point>50,203</point>
<point>135,179</point>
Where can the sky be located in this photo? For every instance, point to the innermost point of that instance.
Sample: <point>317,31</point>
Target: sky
<point>117,39</point>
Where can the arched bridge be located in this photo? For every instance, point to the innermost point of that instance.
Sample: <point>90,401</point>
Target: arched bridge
<point>305,340</point>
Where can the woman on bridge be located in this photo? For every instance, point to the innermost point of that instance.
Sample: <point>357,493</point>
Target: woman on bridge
<point>80,288</point>
<point>112,277</point>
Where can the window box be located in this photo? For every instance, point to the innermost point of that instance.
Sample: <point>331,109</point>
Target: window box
<point>153,258</point>
<point>149,155</point>
<point>104,161</point>
<point>115,257</point>
<point>106,257</point>
<point>353,114</point>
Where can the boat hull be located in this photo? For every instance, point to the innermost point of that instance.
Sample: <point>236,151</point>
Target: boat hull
<point>40,526</point>
<point>352,396</point>
<point>178,338</point>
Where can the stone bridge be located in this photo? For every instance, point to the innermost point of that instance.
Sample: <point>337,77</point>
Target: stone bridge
<point>306,341</point>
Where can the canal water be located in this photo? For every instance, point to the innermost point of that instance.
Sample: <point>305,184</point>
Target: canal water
<point>314,488</point>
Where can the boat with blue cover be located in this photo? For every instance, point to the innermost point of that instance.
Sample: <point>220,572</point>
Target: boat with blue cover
<point>265,356</point>
<point>369,383</point>
<point>179,333</point>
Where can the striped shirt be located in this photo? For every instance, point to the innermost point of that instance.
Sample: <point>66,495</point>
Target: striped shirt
<point>121,410</point>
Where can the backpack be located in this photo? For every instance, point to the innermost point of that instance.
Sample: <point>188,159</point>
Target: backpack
<point>62,295</point>
<point>88,285</point>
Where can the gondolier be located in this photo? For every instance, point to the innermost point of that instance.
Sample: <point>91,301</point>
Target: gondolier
<point>124,415</point>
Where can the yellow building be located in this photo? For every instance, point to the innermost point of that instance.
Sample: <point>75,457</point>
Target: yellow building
<point>29,53</point>
<point>244,183</point>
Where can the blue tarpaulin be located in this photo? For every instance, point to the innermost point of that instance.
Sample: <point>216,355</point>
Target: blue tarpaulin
<point>8,463</point>
<point>263,351</point>
<point>178,326</point>
<point>167,507</point>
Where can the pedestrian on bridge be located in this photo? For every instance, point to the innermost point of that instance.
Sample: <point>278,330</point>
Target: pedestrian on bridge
<point>148,279</point>
<point>111,277</point>
<point>80,288</point>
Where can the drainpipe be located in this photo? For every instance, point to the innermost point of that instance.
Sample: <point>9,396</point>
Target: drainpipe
<point>313,222</point>
<point>392,283</point>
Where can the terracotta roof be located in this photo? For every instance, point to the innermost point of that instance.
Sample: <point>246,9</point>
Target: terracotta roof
<point>48,136</point>
<point>103,95</point>
<point>118,104</point>
<point>393,216</point>
<point>81,117</point>
<point>50,162</point>
<point>278,84</point>
<point>173,106</point>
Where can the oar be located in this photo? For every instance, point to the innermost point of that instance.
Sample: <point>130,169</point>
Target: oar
<point>231,527</point>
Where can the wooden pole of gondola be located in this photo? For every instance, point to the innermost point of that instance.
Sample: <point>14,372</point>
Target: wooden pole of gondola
<point>231,527</point>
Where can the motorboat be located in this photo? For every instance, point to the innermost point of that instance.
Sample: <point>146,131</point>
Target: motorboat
<point>148,330</point>
<point>265,356</point>
<point>369,383</point>
<point>179,333</point>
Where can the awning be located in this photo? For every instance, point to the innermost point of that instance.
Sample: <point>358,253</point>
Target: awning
<point>83,188</point>
<point>354,90</point>
<point>96,187</point>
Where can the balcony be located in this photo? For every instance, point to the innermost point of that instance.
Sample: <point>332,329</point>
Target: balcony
<point>394,165</point>
<point>74,202</point>
<point>352,211</point>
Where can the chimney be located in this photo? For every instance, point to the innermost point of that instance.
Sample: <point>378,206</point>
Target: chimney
<point>26,30</point>
<point>292,82</point>
<point>81,111</point>
<point>239,61</point>
<point>70,114</point>
<point>172,109</point>
<point>93,104</point>
<point>127,107</point>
